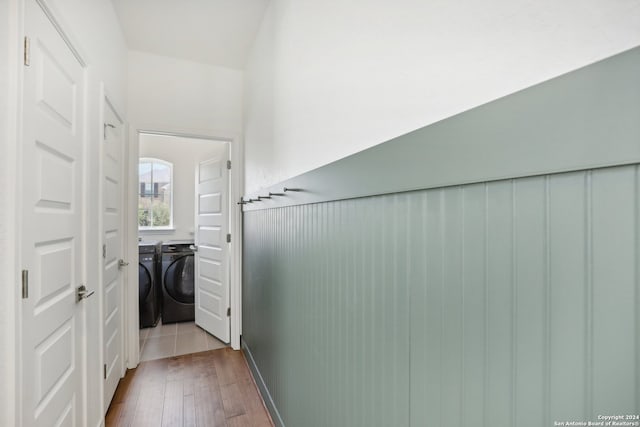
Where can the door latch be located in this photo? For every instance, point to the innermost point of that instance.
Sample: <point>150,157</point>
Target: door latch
<point>194,248</point>
<point>122,263</point>
<point>25,284</point>
<point>83,293</point>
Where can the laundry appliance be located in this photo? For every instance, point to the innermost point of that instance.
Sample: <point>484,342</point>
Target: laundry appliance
<point>178,282</point>
<point>149,289</point>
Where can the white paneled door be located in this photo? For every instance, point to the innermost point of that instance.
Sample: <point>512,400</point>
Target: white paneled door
<point>52,150</point>
<point>112,262</point>
<point>212,256</point>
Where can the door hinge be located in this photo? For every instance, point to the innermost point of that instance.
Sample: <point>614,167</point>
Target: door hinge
<point>228,164</point>
<point>228,311</point>
<point>228,238</point>
<point>105,371</point>
<point>104,251</point>
<point>107,125</point>
<point>25,284</point>
<point>27,51</point>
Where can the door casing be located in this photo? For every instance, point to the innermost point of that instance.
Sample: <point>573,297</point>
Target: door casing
<point>10,215</point>
<point>236,183</point>
<point>120,127</point>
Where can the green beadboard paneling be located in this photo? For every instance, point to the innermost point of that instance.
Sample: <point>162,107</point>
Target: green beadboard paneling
<point>326,315</point>
<point>512,303</point>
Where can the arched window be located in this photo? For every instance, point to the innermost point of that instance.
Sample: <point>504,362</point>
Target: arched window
<point>155,198</point>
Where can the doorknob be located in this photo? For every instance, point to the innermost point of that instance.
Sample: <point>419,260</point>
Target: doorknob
<point>122,263</point>
<point>82,293</point>
<point>194,248</point>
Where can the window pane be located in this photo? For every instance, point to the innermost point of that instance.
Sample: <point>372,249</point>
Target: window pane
<point>161,177</point>
<point>144,173</point>
<point>154,201</point>
<point>143,217</point>
<point>161,214</point>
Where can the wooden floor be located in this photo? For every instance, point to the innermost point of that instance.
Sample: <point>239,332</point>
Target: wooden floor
<point>212,388</point>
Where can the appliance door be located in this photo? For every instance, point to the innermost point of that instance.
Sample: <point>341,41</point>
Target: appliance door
<point>145,280</point>
<point>178,280</point>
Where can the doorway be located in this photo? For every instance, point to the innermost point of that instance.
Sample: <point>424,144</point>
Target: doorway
<point>175,206</point>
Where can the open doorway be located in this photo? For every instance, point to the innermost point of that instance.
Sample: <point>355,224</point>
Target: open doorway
<point>183,221</point>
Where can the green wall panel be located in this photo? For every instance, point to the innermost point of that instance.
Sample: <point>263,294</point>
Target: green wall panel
<point>511,303</point>
<point>321,316</point>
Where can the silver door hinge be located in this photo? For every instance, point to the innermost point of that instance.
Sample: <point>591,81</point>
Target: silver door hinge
<point>228,238</point>
<point>104,251</point>
<point>107,125</point>
<point>228,164</point>
<point>27,51</point>
<point>25,284</point>
<point>229,312</point>
<point>105,371</point>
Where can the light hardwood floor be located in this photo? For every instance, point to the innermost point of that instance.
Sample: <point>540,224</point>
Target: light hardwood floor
<point>212,388</point>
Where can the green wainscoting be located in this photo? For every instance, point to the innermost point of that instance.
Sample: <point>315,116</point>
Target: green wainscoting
<point>502,304</point>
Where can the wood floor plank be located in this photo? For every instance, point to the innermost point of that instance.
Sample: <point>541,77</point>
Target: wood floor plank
<point>173,410</point>
<point>224,367</point>
<point>188,386</point>
<point>251,398</point>
<point>114,413</point>
<point>232,400</point>
<point>240,367</point>
<point>240,421</point>
<point>214,386</point>
<point>123,387</point>
<point>207,389</point>
<point>189,411</point>
<point>150,404</point>
<point>128,397</point>
<point>208,402</point>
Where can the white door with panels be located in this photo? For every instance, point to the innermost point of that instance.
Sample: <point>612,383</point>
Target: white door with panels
<point>52,228</point>
<point>212,305</point>
<point>113,266</point>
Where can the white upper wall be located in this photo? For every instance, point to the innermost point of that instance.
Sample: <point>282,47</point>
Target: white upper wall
<point>328,79</point>
<point>184,154</point>
<point>177,95</point>
<point>215,32</point>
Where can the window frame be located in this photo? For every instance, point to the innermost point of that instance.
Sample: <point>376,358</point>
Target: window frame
<point>156,160</point>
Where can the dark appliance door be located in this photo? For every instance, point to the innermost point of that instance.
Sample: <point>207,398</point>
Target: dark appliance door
<point>145,281</point>
<point>179,278</point>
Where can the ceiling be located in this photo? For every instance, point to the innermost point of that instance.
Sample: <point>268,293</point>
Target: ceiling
<point>216,32</point>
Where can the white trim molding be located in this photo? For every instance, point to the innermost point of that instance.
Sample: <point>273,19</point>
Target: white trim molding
<point>236,182</point>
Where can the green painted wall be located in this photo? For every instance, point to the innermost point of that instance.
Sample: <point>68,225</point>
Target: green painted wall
<point>510,303</point>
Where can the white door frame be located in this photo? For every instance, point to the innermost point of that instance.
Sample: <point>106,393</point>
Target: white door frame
<point>236,180</point>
